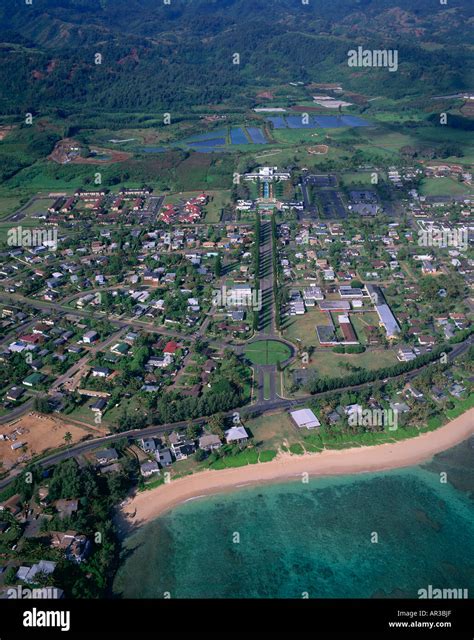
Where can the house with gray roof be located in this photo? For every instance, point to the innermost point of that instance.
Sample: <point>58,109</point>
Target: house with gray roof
<point>209,442</point>
<point>236,434</point>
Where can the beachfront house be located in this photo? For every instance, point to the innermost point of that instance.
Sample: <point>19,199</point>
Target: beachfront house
<point>236,435</point>
<point>148,469</point>
<point>305,419</point>
<point>209,442</point>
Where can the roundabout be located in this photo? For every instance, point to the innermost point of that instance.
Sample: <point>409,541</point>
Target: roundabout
<point>267,352</point>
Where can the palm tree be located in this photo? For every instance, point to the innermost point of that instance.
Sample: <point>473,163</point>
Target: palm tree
<point>67,437</point>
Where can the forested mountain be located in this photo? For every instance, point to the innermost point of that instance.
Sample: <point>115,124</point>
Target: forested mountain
<point>157,56</point>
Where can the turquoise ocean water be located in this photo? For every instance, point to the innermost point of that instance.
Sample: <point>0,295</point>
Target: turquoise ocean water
<point>314,538</point>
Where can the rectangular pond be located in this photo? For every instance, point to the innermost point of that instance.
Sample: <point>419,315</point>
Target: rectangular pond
<point>322,122</point>
<point>237,136</point>
<point>256,135</point>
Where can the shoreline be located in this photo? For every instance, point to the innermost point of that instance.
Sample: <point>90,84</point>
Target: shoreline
<point>145,506</point>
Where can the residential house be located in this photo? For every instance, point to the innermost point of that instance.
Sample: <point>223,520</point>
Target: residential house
<point>237,434</point>
<point>106,456</point>
<point>210,442</point>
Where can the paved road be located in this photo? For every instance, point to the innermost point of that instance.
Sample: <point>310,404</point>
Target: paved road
<point>21,328</point>
<point>260,384</point>
<point>83,361</point>
<point>267,315</point>
<point>29,404</point>
<point>18,411</point>
<point>18,214</point>
<point>259,408</point>
<point>267,327</point>
<point>262,405</point>
<point>13,298</point>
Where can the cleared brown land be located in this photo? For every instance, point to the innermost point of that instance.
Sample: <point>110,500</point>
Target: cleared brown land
<point>467,110</point>
<point>115,156</point>
<point>39,433</point>
<point>63,154</point>
<point>319,149</point>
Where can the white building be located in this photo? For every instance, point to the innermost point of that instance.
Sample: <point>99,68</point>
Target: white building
<point>305,418</point>
<point>236,434</point>
<point>267,174</point>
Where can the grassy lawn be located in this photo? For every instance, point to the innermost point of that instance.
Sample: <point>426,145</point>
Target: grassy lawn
<point>434,422</point>
<point>326,440</point>
<point>361,322</point>
<point>389,141</point>
<point>462,405</point>
<point>218,200</point>
<point>270,431</point>
<point>267,352</point>
<point>303,136</point>
<point>304,327</point>
<point>174,198</point>
<point>8,205</point>
<point>331,365</point>
<point>245,457</point>
<point>266,386</point>
<point>154,482</point>
<point>443,187</point>
<point>297,449</point>
<point>83,413</point>
<point>132,405</point>
<point>266,456</point>
<point>39,206</point>
<point>361,178</point>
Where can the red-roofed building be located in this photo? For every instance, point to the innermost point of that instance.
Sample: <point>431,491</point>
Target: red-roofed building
<point>171,348</point>
<point>192,208</point>
<point>32,338</point>
<point>347,330</point>
<point>167,213</point>
<point>118,203</point>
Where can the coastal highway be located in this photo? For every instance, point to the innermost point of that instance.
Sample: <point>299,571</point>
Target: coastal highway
<point>259,408</point>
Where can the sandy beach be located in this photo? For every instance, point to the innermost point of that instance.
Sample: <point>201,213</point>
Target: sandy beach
<point>147,505</point>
